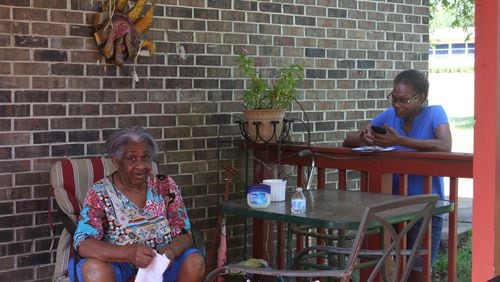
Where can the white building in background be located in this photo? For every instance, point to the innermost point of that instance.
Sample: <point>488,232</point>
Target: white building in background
<point>451,72</point>
<point>449,49</point>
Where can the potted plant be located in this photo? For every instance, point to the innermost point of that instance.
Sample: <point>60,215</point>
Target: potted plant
<point>265,104</point>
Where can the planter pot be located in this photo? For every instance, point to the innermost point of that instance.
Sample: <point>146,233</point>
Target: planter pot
<point>264,125</point>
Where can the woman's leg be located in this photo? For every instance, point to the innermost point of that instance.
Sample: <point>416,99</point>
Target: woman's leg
<point>189,267</point>
<point>97,270</point>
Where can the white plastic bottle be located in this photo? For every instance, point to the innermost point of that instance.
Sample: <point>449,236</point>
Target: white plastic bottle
<point>299,203</point>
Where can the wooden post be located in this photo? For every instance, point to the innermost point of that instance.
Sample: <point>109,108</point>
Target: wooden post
<point>486,167</point>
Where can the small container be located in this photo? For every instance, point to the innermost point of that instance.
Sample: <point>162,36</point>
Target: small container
<point>259,196</point>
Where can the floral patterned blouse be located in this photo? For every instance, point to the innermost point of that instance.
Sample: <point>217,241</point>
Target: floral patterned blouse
<point>110,216</point>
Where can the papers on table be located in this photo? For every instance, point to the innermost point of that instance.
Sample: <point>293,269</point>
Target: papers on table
<point>373,149</point>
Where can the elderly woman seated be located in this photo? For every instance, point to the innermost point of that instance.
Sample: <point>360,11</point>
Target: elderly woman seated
<point>129,216</point>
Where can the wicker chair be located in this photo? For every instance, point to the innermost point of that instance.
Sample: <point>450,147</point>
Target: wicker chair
<point>70,179</point>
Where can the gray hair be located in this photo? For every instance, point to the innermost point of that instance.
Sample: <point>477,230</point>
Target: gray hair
<point>115,142</point>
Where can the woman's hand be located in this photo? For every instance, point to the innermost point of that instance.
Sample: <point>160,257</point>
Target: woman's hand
<point>140,255</point>
<point>366,135</point>
<point>177,246</point>
<point>390,138</point>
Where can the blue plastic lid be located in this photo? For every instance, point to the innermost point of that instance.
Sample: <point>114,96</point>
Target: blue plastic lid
<point>259,188</point>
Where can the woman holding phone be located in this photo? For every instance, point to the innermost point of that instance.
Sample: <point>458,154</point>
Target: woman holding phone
<point>410,124</point>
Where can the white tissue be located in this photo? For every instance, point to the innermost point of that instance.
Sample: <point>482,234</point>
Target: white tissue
<point>154,271</point>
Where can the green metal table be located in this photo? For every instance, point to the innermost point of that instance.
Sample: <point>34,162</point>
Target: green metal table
<point>332,209</point>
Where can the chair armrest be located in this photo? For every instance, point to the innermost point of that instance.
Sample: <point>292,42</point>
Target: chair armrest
<point>198,241</point>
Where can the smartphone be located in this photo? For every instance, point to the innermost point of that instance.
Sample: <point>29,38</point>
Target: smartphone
<point>379,129</point>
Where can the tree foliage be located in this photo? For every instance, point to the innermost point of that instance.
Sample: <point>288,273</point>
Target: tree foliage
<point>461,12</point>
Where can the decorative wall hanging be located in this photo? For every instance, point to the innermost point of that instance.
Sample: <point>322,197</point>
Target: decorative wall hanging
<point>119,30</point>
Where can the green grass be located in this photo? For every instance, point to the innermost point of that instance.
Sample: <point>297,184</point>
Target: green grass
<point>462,122</point>
<point>464,260</point>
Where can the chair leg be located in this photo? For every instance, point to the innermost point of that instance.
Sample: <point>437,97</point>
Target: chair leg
<point>213,274</point>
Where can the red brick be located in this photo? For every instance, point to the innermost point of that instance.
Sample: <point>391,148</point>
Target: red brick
<point>31,206</point>
<point>132,96</point>
<point>14,27</point>
<point>6,208</point>
<point>49,137</point>
<point>67,43</point>
<point>85,56</point>
<point>190,119</point>
<point>5,13</point>
<point>49,29</point>
<point>116,109</point>
<point>31,41</point>
<point>33,259</point>
<point>66,69</point>
<point>128,121</point>
<point>190,144</point>
<point>84,109</point>
<point>31,152</point>
<point>51,4</point>
<point>149,108</point>
<point>6,236</point>
<point>50,55</point>
<point>25,274</point>
<point>177,108</point>
<point>68,150</point>
<point>100,122</point>
<point>17,193</point>
<point>4,67</point>
<point>66,123</point>
<point>41,164</point>
<point>117,83</point>
<point>5,153</point>
<point>83,136</point>
<point>84,83</point>
<point>31,96</point>
<point>101,70</point>
<point>51,82</point>
<point>31,124</point>
<point>84,5</point>
<point>14,166</point>
<point>162,120</point>
<point>20,3</point>
<point>49,110</point>
<point>95,149</point>
<point>66,96</point>
<point>163,95</point>
<point>14,54</point>
<point>100,96</point>
<point>5,125</point>
<point>14,138</point>
<point>177,132</point>
<point>5,96</point>
<point>149,84</point>
<point>32,14</point>
<point>31,178</point>
<point>31,68</point>
<point>66,16</point>
<point>14,110</point>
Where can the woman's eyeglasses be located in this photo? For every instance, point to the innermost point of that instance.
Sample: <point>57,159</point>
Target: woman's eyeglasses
<point>402,101</point>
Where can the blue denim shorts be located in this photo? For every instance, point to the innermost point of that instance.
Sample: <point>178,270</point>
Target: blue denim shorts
<point>124,270</point>
<point>437,228</point>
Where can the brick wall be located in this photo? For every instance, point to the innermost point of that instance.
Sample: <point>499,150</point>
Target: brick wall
<point>59,99</point>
